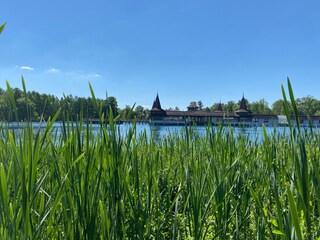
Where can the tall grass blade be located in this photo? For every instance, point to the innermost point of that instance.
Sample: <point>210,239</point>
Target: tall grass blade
<point>293,104</point>
<point>12,102</point>
<point>294,213</point>
<point>2,27</point>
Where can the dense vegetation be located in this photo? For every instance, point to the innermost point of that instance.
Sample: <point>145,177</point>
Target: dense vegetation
<point>42,106</point>
<point>74,182</point>
<point>305,106</point>
<point>46,105</point>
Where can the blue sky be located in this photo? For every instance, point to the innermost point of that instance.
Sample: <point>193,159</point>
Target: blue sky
<point>186,50</point>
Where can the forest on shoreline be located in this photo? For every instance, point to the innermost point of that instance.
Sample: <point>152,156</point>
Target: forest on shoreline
<point>43,106</point>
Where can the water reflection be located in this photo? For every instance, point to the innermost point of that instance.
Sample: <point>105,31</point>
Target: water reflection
<point>160,132</point>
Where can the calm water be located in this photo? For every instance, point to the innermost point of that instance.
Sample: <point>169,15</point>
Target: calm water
<point>163,131</point>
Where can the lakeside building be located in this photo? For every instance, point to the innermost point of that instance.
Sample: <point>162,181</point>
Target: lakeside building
<point>241,117</point>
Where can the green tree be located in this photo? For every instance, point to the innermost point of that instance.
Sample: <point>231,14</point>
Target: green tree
<point>193,104</point>
<point>51,106</point>
<point>17,93</point>
<point>200,104</point>
<point>126,113</point>
<point>139,112</point>
<point>79,105</point>
<point>308,105</point>
<point>4,106</point>
<point>215,106</point>
<point>146,113</point>
<point>66,106</point>
<point>260,107</point>
<point>231,106</point>
<point>112,103</point>
<point>207,109</point>
<point>25,109</point>
<point>277,107</point>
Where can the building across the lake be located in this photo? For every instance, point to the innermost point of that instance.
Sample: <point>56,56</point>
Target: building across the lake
<point>241,117</point>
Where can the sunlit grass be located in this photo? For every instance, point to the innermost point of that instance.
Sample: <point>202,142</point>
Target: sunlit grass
<point>82,183</point>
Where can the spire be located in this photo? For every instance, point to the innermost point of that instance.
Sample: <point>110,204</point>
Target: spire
<point>156,104</point>
<point>243,104</point>
<point>220,107</point>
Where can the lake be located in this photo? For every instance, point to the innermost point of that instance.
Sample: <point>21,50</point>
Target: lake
<point>162,131</point>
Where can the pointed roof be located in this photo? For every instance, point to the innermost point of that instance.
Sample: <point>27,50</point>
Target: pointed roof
<point>243,104</point>
<point>156,104</point>
<point>220,107</point>
<point>243,110</point>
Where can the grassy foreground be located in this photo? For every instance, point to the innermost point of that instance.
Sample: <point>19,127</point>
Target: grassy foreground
<point>81,183</point>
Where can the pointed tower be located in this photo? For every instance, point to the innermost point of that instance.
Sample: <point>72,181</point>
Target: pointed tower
<point>156,104</point>
<point>243,112</point>
<point>243,104</point>
<point>157,113</point>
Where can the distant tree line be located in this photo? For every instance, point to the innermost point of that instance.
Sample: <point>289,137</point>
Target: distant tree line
<point>305,105</point>
<point>36,106</point>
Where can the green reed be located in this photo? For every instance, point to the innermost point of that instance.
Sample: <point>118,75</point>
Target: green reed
<point>86,183</point>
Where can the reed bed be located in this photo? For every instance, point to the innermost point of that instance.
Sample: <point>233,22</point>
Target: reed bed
<point>81,183</point>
